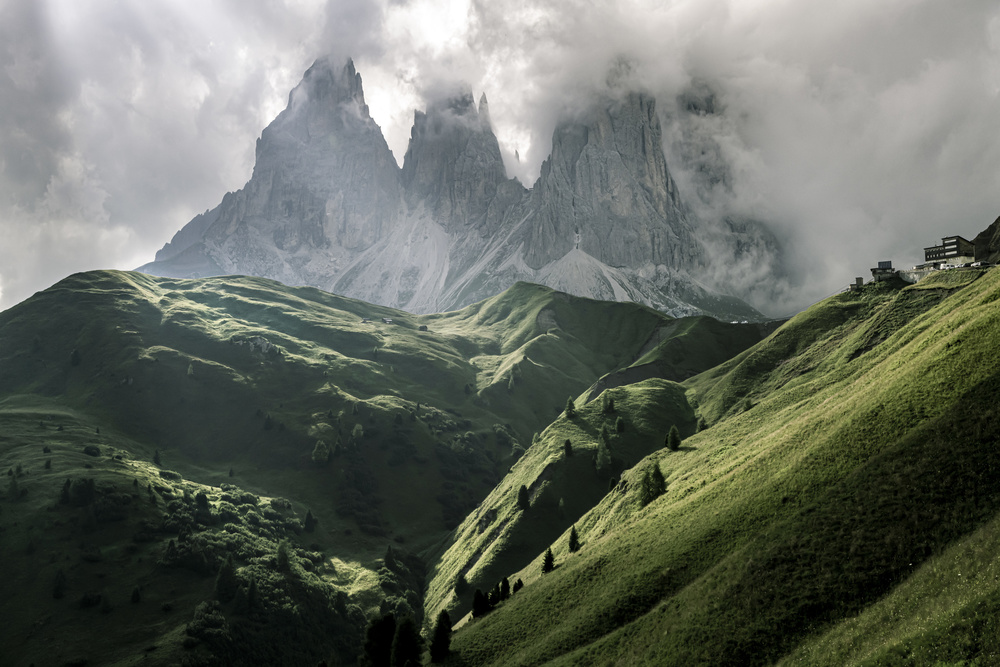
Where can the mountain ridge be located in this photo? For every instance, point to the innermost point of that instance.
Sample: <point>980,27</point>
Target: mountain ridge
<point>327,206</point>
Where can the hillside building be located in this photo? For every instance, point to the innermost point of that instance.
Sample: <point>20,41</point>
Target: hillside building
<point>883,271</point>
<point>953,250</point>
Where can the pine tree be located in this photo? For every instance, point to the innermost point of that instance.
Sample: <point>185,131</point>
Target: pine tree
<point>379,636</point>
<point>548,562</point>
<point>310,523</point>
<point>156,456</point>
<point>673,441</point>
<point>568,448</point>
<point>518,585</point>
<point>406,644</point>
<point>570,408</point>
<point>646,494</point>
<point>441,638</point>
<point>574,540</point>
<point>659,483</point>
<point>523,501</point>
<point>619,425</point>
<point>480,604</point>
<point>461,585</point>
<point>504,589</point>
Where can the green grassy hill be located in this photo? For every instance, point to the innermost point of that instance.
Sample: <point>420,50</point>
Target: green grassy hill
<point>840,508</point>
<point>277,404</point>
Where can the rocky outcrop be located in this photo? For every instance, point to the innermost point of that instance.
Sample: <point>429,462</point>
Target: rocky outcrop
<point>987,243</point>
<point>328,206</point>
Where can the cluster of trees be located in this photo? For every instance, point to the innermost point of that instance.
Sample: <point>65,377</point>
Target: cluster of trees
<point>484,603</point>
<point>392,643</point>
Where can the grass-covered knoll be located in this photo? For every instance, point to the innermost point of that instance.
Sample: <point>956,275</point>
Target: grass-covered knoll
<point>383,432</point>
<point>850,462</point>
<point>563,481</point>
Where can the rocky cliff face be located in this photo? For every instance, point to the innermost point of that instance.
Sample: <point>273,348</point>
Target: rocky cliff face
<point>328,206</point>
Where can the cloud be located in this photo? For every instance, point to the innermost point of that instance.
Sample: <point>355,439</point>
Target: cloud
<point>860,132</point>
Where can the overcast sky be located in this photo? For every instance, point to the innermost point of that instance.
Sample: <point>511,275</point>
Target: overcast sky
<point>859,129</point>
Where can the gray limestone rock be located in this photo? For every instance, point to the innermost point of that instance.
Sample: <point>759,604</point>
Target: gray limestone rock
<point>328,206</point>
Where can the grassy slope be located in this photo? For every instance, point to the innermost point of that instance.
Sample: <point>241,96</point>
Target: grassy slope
<point>849,453</point>
<point>159,370</point>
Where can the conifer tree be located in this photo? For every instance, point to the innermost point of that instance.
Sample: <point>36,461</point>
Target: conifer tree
<point>379,636</point>
<point>523,501</point>
<point>406,644</point>
<point>518,585</point>
<point>156,456</point>
<point>461,584</point>
<point>602,460</point>
<point>659,483</point>
<point>504,589</point>
<point>568,448</point>
<point>619,425</point>
<point>673,439</point>
<point>574,540</point>
<point>570,408</point>
<point>441,638</point>
<point>309,525</point>
<point>480,604</point>
<point>548,562</point>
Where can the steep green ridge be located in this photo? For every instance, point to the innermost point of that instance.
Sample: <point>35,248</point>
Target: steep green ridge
<point>232,382</point>
<point>849,468</point>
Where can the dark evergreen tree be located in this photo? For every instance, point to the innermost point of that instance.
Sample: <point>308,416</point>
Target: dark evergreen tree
<point>548,562</point>
<point>441,637</point>
<point>281,556</point>
<point>602,459</point>
<point>406,644</point>
<point>156,456</point>
<point>461,585</point>
<point>619,425</point>
<point>574,540</point>
<point>570,408</point>
<point>310,523</point>
<point>568,448</point>
<point>231,472</point>
<point>377,649</point>
<point>518,585</point>
<point>523,501</point>
<point>504,589</point>
<point>673,439</point>
<point>201,501</point>
<point>226,583</point>
<point>646,494</point>
<point>480,604</point>
<point>659,483</point>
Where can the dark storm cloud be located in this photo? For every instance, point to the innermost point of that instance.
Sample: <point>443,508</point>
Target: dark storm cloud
<point>858,131</point>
